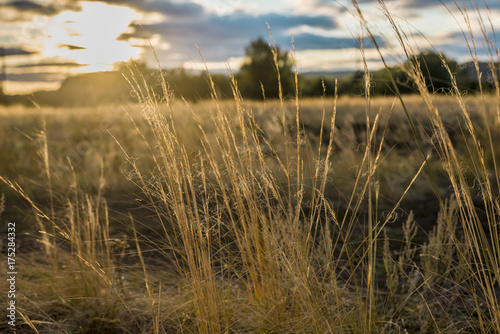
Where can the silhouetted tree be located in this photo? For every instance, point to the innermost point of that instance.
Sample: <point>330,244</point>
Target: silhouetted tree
<point>436,75</point>
<point>260,68</point>
<point>430,64</point>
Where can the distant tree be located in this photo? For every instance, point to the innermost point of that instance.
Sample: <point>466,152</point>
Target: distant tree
<point>382,82</point>
<point>437,76</point>
<point>195,87</point>
<point>435,73</point>
<point>430,64</point>
<point>353,84</point>
<point>313,86</point>
<point>260,68</point>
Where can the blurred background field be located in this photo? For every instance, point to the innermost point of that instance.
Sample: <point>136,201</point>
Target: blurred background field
<point>94,154</point>
<point>88,139</point>
<point>261,201</point>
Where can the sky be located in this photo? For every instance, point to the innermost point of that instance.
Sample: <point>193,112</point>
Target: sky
<point>42,42</point>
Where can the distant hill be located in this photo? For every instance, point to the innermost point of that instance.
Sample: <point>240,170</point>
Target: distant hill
<point>87,89</point>
<point>484,68</point>
<point>80,90</point>
<point>111,87</point>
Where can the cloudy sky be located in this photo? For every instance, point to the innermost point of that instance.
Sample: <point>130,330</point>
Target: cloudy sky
<point>44,41</point>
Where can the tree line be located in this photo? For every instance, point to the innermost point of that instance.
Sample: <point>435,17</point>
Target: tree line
<point>257,79</point>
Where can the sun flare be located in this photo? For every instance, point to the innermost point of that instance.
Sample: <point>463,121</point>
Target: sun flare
<point>89,37</point>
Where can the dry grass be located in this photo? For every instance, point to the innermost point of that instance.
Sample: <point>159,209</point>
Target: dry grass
<point>275,217</point>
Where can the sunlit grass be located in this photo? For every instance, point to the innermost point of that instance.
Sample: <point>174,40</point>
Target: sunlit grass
<point>288,216</point>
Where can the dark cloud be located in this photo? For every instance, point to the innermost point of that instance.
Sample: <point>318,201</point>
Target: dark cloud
<point>406,7</point>
<point>227,36</point>
<point>415,3</point>
<point>70,47</point>
<point>53,7</point>
<point>25,8</point>
<point>32,7</point>
<point>14,52</point>
<point>51,64</point>
<point>279,22</point>
<point>167,7</point>
<point>451,4</point>
<point>219,36</point>
<point>310,41</point>
<point>30,77</point>
<point>341,5</point>
<point>459,38</point>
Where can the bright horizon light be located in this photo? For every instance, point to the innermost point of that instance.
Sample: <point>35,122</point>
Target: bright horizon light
<point>57,38</point>
<point>93,30</point>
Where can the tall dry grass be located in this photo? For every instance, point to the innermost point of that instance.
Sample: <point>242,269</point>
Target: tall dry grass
<point>248,234</point>
<point>478,211</point>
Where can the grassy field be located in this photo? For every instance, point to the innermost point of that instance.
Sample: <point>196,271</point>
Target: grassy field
<point>333,215</point>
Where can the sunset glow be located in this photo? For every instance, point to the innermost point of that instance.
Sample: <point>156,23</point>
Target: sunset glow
<point>50,40</point>
<point>89,37</point>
